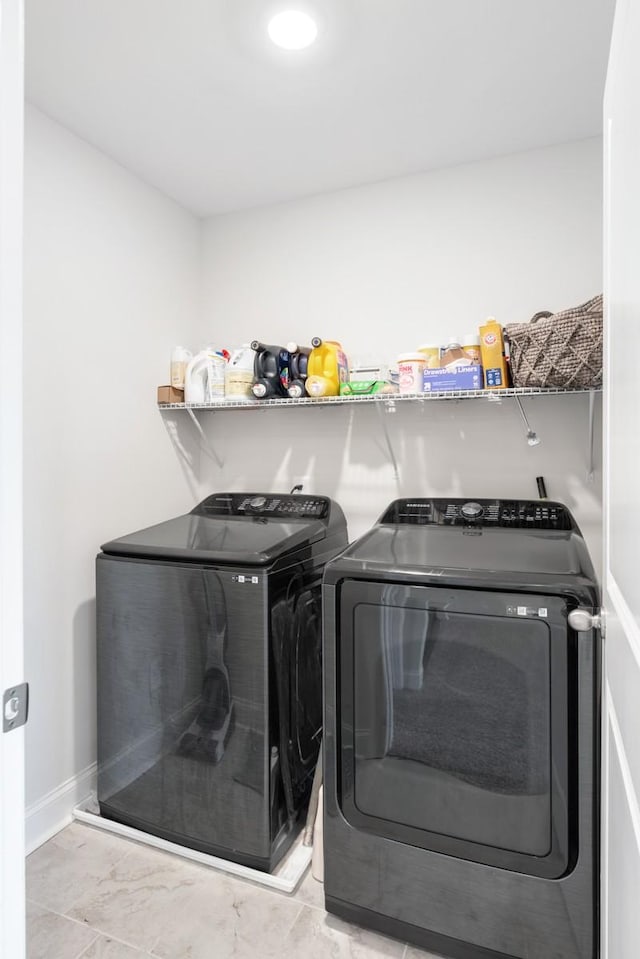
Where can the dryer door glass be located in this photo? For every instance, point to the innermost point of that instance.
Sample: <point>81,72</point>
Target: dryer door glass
<point>455,722</point>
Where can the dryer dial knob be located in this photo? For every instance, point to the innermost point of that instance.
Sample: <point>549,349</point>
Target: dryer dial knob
<point>258,502</point>
<point>471,511</point>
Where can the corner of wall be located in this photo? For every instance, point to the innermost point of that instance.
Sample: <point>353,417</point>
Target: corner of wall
<point>54,811</point>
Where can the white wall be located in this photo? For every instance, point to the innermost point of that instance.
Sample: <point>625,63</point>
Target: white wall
<point>111,282</point>
<point>386,266</point>
<point>383,268</point>
<point>113,273</point>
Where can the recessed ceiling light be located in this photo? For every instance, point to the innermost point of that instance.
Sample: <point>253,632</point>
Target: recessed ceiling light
<point>293,30</point>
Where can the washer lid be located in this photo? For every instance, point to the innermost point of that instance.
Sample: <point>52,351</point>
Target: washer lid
<point>515,543</point>
<point>438,548</point>
<point>528,560</point>
<point>231,540</point>
<point>248,529</point>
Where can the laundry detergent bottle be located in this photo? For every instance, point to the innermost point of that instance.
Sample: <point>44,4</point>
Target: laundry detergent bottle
<point>180,358</point>
<point>298,370</point>
<point>238,377</point>
<point>195,378</point>
<point>204,376</point>
<point>327,368</point>
<point>271,371</point>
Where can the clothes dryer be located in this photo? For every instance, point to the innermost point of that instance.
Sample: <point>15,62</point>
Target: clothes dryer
<point>461,730</point>
<point>209,672</point>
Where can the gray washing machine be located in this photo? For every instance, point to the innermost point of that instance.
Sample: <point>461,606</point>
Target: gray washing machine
<point>210,673</point>
<point>461,730</point>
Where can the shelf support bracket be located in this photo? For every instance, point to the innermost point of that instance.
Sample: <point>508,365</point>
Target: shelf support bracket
<point>385,431</point>
<point>206,445</point>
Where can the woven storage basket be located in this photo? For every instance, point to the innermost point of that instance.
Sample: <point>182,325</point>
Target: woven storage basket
<point>561,350</point>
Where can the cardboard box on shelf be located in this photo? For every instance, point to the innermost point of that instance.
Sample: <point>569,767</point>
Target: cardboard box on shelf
<point>496,374</point>
<point>168,394</point>
<point>443,381</point>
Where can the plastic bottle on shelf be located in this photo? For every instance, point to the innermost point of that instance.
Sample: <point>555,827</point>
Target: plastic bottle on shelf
<point>239,375</point>
<point>327,368</point>
<point>453,355</point>
<point>471,346</point>
<point>217,365</point>
<point>180,357</point>
<point>195,379</point>
<point>204,377</point>
<point>410,369</point>
<point>299,360</point>
<point>271,371</point>
<point>431,353</point>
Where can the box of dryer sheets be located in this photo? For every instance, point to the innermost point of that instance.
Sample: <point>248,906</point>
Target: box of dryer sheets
<point>444,380</point>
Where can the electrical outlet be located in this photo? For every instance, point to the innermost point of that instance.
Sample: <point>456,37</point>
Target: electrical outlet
<point>304,481</point>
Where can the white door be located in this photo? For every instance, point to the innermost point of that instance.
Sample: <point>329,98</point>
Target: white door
<point>621,703</point>
<point>11,661</point>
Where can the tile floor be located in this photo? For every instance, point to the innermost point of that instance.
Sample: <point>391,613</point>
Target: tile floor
<point>97,896</point>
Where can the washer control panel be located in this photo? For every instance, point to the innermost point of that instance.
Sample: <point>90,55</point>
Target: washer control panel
<point>264,505</point>
<point>505,514</point>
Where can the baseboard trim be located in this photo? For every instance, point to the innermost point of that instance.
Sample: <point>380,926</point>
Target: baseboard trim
<point>47,816</point>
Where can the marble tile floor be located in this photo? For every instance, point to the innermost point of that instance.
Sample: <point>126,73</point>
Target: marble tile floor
<point>93,895</point>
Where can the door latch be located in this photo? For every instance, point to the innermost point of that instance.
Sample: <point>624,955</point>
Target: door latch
<point>15,707</point>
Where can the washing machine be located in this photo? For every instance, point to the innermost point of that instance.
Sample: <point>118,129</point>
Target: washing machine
<point>461,730</point>
<point>209,671</point>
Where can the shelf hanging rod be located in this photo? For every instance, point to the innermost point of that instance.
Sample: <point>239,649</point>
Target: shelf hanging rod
<point>392,455</point>
<point>532,437</point>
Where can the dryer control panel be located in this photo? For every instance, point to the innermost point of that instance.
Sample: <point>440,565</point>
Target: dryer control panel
<point>277,505</point>
<point>504,514</point>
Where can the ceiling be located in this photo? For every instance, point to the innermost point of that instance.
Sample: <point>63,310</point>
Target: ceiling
<point>192,96</point>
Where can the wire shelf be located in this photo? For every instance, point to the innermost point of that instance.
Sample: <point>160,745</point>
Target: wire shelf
<point>387,399</point>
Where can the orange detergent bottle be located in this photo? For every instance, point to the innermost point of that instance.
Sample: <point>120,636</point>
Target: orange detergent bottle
<point>493,358</point>
<point>327,368</point>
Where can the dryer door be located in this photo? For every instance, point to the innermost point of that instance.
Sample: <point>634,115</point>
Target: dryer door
<point>458,716</point>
